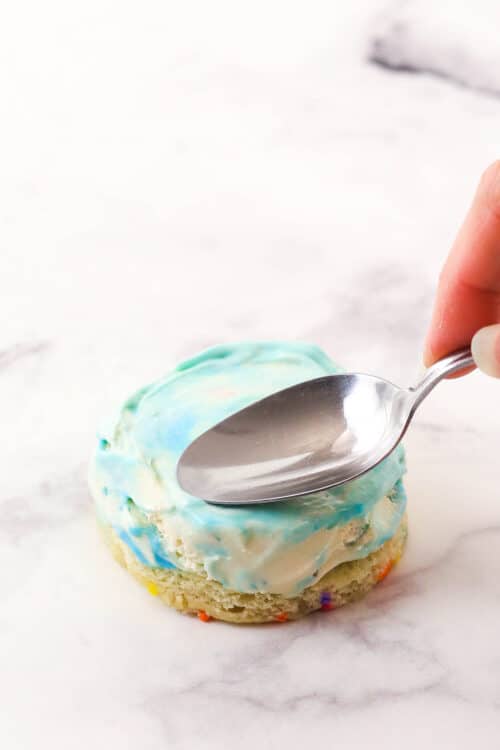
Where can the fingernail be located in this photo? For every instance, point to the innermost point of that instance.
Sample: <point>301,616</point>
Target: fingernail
<point>486,350</point>
<point>496,188</point>
<point>492,184</point>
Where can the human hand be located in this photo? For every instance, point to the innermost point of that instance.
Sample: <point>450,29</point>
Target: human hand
<point>467,305</point>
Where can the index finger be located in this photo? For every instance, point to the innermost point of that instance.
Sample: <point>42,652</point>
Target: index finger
<point>468,296</point>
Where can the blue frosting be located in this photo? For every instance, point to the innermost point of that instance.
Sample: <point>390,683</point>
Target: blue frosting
<point>135,462</point>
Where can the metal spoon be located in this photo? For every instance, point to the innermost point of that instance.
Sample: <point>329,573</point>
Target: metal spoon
<point>306,438</point>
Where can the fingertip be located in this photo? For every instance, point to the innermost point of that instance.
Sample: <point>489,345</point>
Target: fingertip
<point>428,357</point>
<point>440,343</point>
<point>436,343</point>
<point>489,187</point>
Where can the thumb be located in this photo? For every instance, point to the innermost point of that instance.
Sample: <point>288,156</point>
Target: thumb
<point>486,350</point>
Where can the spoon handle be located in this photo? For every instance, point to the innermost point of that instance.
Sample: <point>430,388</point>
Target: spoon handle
<point>455,362</point>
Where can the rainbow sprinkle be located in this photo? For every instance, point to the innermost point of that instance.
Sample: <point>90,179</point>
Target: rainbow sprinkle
<point>203,616</point>
<point>282,617</point>
<point>152,588</point>
<point>385,570</point>
<point>326,600</point>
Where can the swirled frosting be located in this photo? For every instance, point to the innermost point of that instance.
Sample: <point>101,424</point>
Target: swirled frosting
<point>277,548</point>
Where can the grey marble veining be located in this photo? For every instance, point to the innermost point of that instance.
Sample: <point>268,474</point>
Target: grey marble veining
<point>455,41</point>
<point>18,352</point>
<point>197,180</point>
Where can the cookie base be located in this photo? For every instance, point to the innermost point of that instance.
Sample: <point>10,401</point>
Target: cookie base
<point>195,594</point>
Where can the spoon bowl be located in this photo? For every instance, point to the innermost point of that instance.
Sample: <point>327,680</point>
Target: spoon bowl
<point>306,438</point>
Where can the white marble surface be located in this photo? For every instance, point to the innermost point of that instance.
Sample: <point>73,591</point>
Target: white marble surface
<point>174,176</point>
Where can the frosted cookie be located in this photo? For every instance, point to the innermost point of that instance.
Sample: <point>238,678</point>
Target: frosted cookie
<point>241,564</point>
